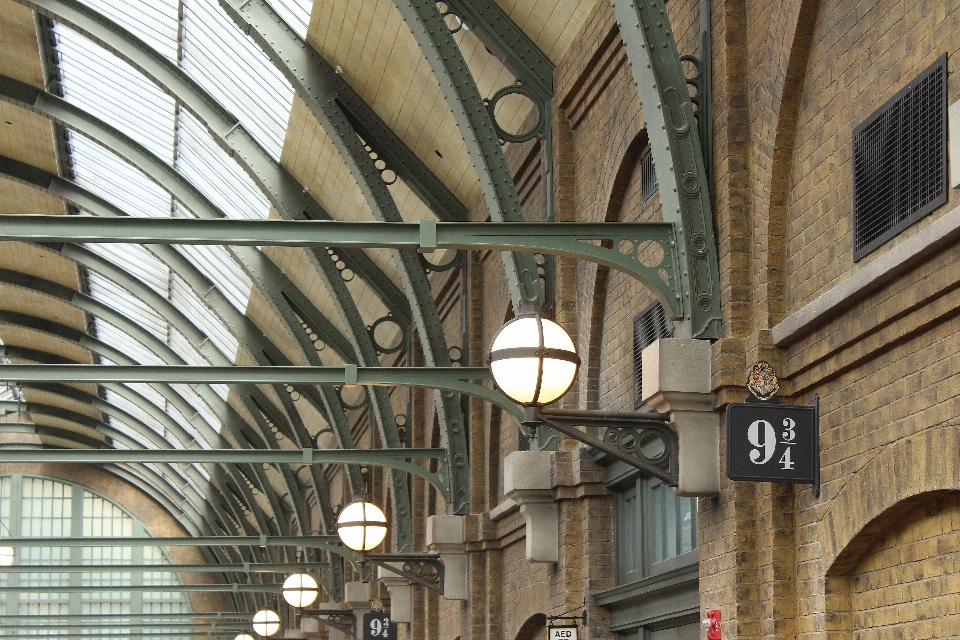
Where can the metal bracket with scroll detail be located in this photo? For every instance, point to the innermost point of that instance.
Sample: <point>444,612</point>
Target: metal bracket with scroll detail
<point>425,569</point>
<point>630,437</point>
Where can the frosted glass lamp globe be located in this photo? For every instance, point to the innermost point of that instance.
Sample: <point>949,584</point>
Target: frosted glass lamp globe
<point>533,360</point>
<point>300,590</point>
<point>362,526</point>
<point>266,622</point>
<point>244,636</point>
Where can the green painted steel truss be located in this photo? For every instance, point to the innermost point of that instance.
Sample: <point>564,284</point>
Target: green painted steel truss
<point>644,250</point>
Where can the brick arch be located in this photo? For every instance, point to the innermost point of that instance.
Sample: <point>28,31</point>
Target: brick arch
<point>533,627</point>
<point>629,161</point>
<point>891,484</point>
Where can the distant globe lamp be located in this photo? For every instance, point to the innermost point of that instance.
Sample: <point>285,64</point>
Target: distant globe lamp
<point>266,622</point>
<point>533,362</point>
<point>362,526</point>
<point>300,590</point>
<point>244,636</point>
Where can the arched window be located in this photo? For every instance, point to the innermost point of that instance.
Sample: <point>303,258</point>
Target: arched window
<point>42,507</point>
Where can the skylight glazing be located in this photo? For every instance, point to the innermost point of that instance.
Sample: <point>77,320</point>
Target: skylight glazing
<point>44,507</point>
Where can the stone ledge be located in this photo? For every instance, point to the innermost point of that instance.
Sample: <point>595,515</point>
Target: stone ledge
<point>874,275</point>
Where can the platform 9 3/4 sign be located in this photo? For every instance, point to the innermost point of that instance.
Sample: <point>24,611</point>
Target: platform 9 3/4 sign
<point>378,626</point>
<point>774,443</point>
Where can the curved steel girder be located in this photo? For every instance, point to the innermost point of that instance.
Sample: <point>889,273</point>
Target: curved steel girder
<point>507,42</point>
<point>283,190</point>
<point>104,407</point>
<point>312,82</point>
<point>496,182</point>
<point>675,144</point>
<point>388,146</point>
<point>264,272</point>
<point>257,266</point>
<point>226,414</point>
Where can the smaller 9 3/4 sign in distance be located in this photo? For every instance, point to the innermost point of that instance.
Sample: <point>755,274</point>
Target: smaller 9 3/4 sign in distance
<point>769,442</point>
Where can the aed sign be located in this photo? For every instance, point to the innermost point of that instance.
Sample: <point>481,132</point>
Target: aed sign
<point>378,626</point>
<point>562,633</point>
<point>773,443</point>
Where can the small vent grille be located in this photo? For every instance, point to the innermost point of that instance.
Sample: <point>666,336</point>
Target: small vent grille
<point>523,441</point>
<point>648,176</point>
<point>900,161</point>
<point>650,325</point>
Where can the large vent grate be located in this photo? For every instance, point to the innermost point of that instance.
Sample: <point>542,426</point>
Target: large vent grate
<point>900,161</point>
<point>649,325</point>
<point>648,176</point>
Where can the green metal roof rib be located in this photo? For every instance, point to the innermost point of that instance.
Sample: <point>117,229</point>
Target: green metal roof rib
<point>310,75</point>
<point>458,87</point>
<point>286,194</point>
<point>275,286</point>
<point>676,148</point>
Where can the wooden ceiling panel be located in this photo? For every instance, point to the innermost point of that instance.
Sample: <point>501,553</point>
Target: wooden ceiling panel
<point>20,300</point>
<point>21,53</point>
<point>55,400</point>
<point>263,315</point>
<point>551,24</point>
<point>16,197</point>
<point>38,261</point>
<point>381,60</point>
<point>29,338</point>
<point>27,137</point>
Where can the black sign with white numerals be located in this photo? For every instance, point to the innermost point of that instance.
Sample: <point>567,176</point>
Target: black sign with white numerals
<point>378,626</point>
<point>769,442</point>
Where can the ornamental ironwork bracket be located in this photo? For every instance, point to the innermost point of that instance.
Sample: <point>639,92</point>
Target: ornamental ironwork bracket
<point>423,568</point>
<point>645,441</point>
<point>344,620</point>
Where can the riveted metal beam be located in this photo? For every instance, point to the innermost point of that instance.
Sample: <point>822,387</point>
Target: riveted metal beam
<point>274,284</point>
<point>508,42</point>
<point>675,144</point>
<point>246,567</point>
<point>327,543</point>
<point>284,192</point>
<point>644,250</point>
<point>456,379</point>
<point>302,66</point>
<point>163,588</point>
<point>376,133</point>
<point>402,459</point>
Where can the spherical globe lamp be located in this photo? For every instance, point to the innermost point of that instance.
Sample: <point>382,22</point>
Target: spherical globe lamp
<point>533,360</point>
<point>266,622</point>
<point>362,526</point>
<point>244,636</point>
<point>6,556</point>
<point>300,590</point>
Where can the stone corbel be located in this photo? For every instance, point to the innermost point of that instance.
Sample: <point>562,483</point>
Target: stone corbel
<point>527,481</point>
<point>676,381</point>
<point>399,589</point>
<point>445,536</point>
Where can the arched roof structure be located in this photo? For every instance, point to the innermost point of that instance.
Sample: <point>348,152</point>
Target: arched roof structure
<point>295,110</point>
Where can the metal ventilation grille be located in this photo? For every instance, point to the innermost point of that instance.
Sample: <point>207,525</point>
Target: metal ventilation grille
<point>648,176</point>
<point>900,161</point>
<point>649,325</point>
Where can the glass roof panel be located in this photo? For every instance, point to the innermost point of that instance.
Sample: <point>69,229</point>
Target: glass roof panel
<point>99,82</point>
<point>138,262</point>
<point>205,320</point>
<point>205,164</point>
<point>121,300</point>
<point>238,74</point>
<point>122,341</point>
<point>296,13</point>
<point>154,21</point>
